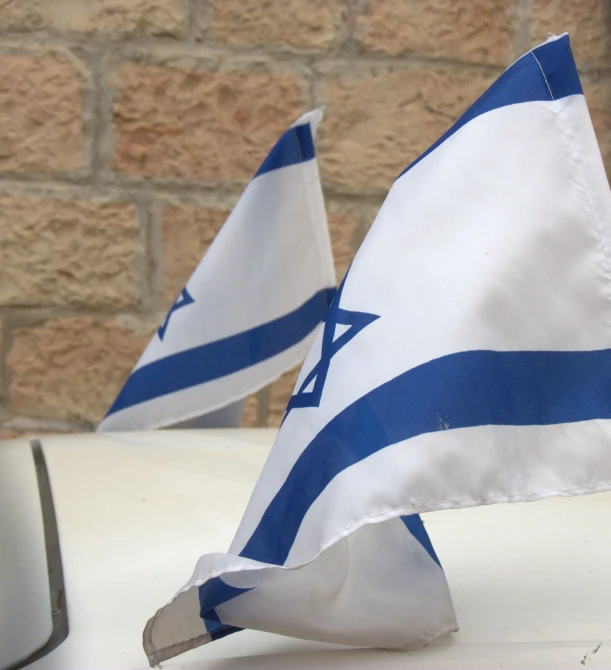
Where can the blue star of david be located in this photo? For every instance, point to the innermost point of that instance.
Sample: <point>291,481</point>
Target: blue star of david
<point>355,321</point>
<point>183,300</point>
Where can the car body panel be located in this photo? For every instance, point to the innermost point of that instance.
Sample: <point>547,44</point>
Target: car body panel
<point>25,603</point>
<point>530,581</point>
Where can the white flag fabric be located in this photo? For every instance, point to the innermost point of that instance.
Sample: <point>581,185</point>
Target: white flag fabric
<point>466,360</point>
<point>249,311</point>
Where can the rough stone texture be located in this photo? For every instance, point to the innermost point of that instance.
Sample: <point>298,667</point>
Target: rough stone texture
<point>66,253</point>
<point>598,97</point>
<point>189,124</point>
<point>250,418</point>
<point>377,124</point>
<point>280,392</point>
<point>21,15</point>
<point>112,111</point>
<point>588,23</point>
<point>124,17</point>
<point>7,433</point>
<point>469,30</point>
<point>40,114</point>
<point>295,23</point>
<point>23,426</point>
<point>72,368</point>
<point>187,232</point>
<point>342,227</point>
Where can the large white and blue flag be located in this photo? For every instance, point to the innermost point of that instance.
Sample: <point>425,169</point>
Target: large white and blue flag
<point>466,360</point>
<point>249,311</point>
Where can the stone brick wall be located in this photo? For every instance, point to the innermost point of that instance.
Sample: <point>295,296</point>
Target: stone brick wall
<point>128,129</point>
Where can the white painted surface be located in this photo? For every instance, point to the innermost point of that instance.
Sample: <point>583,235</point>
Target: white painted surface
<point>25,606</point>
<point>530,581</point>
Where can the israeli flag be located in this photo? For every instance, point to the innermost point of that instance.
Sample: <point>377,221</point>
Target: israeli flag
<point>249,311</point>
<point>465,361</point>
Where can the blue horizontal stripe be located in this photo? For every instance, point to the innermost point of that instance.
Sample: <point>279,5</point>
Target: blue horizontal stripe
<point>523,82</point>
<point>223,632</point>
<point>415,525</point>
<point>472,388</point>
<point>217,359</point>
<point>295,146</point>
<point>213,593</point>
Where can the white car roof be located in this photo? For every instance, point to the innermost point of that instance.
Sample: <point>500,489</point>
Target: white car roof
<point>530,581</point>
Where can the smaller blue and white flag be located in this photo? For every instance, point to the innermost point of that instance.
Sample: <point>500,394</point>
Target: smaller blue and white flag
<point>249,311</point>
<point>466,360</point>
